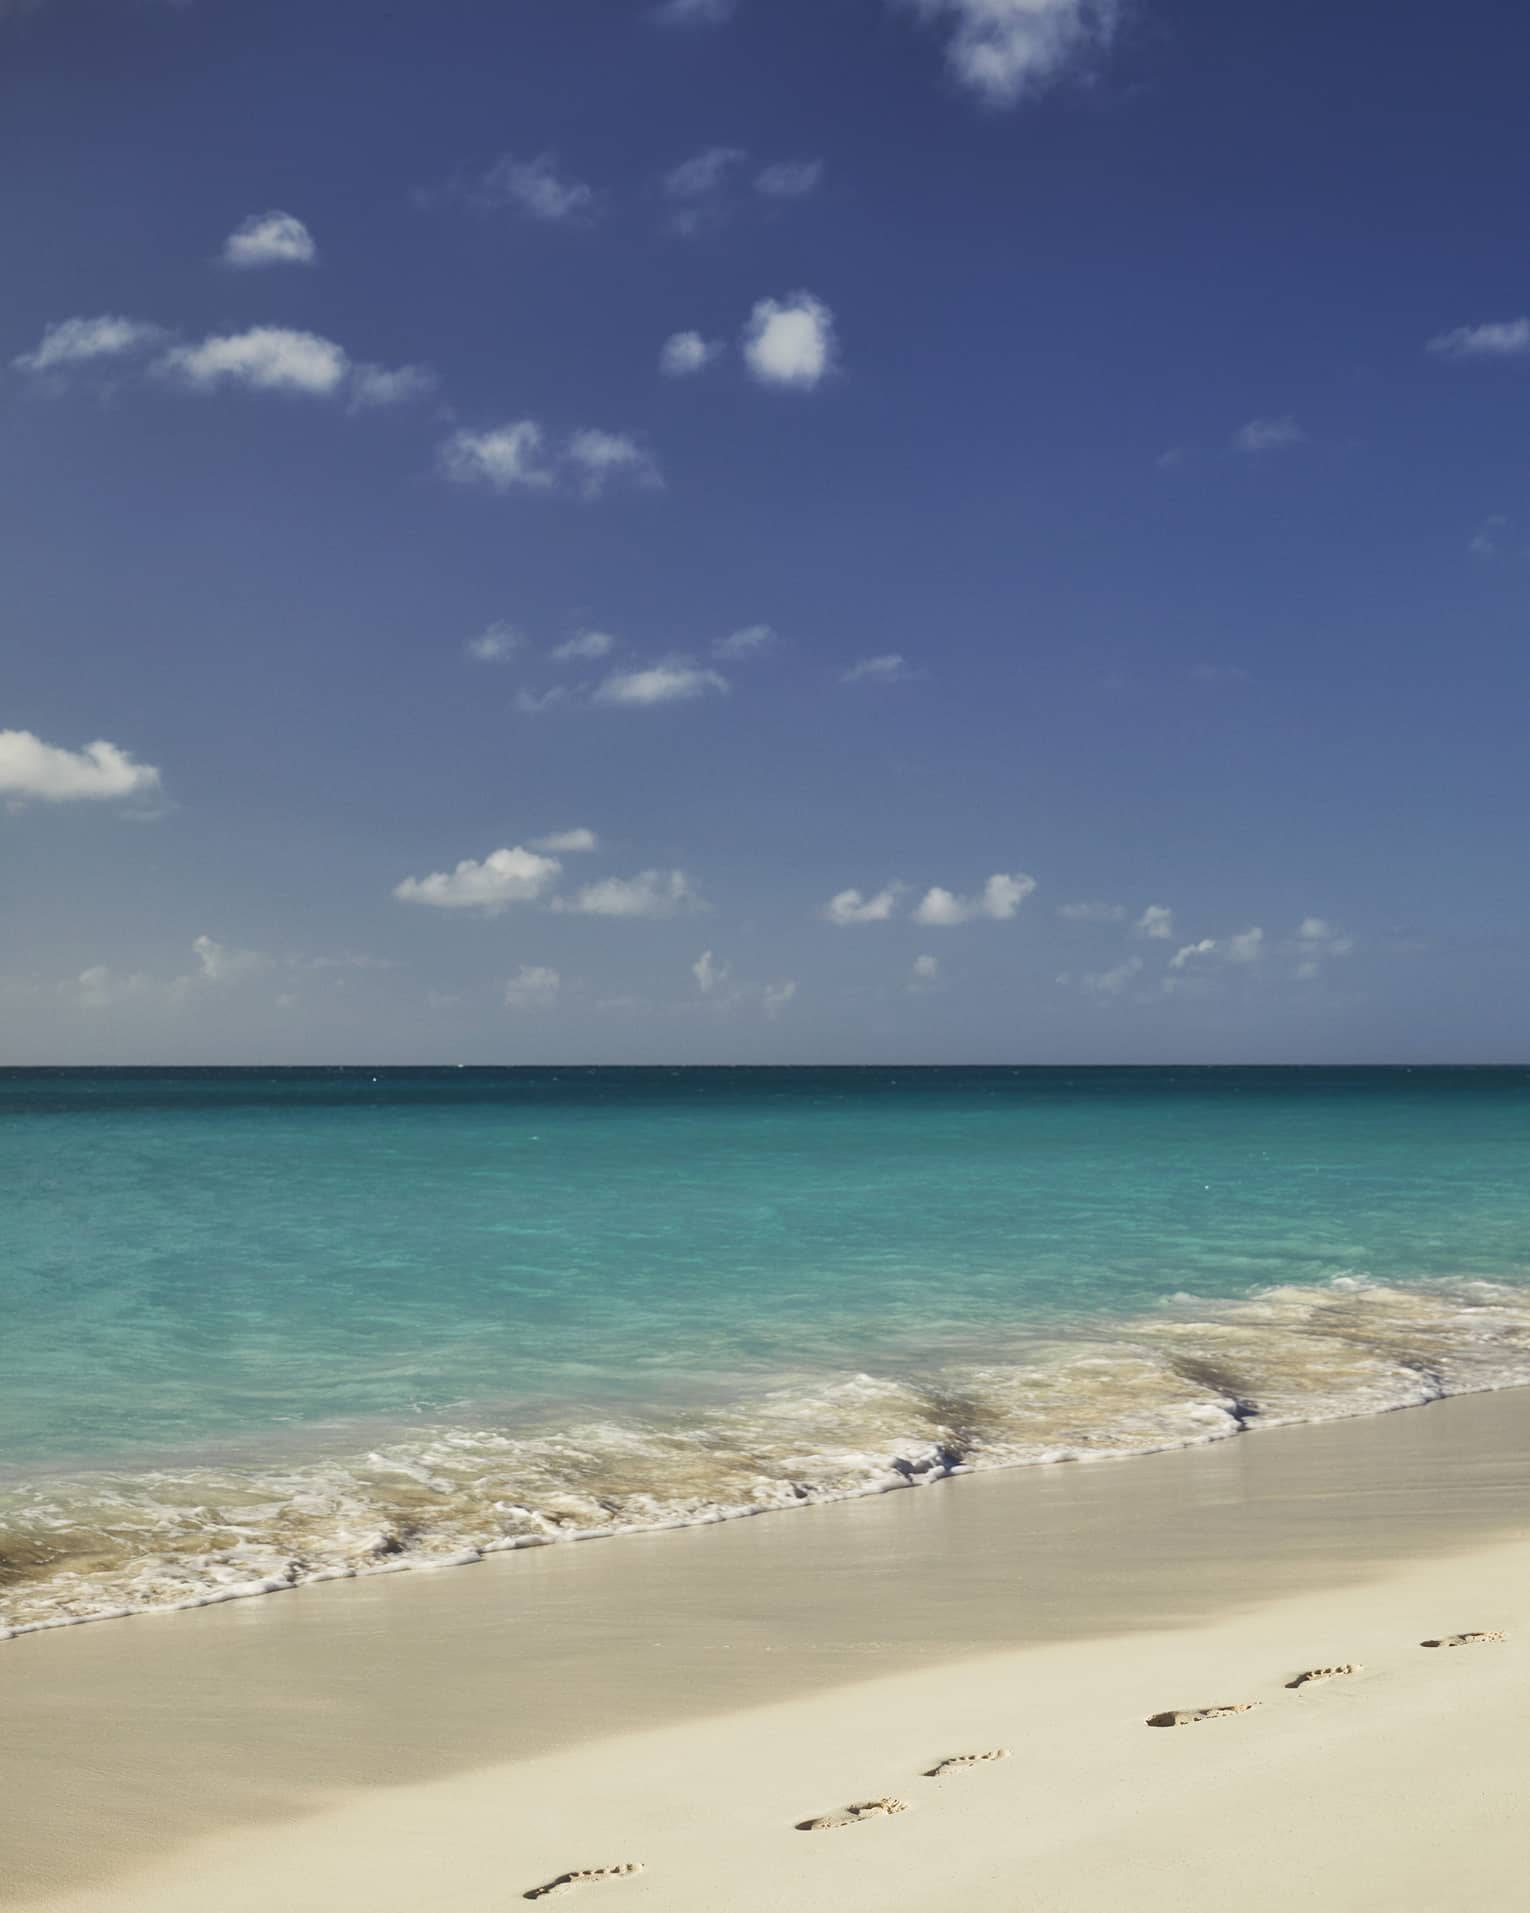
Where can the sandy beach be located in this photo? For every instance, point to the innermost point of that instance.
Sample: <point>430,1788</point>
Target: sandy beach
<point>682,1702</point>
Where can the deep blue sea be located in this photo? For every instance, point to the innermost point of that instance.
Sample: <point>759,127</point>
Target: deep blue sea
<point>263,1326</point>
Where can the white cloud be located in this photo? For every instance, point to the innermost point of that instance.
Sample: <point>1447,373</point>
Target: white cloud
<point>1316,942</point>
<point>891,668</point>
<point>924,973</point>
<point>1092,912</point>
<point>852,906</point>
<point>1005,50</point>
<point>651,893</point>
<point>567,842</point>
<point>375,388</point>
<point>270,239</point>
<point>790,342</point>
<point>81,341</point>
<point>102,989</point>
<point>1499,339</point>
<point>999,900</point>
<point>533,703</point>
<point>703,174</point>
<point>537,188</point>
<point>1156,923</point>
<point>775,996</point>
<point>495,643</point>
<point>504,877</point>
<point>710,975</point>
<point>746,643</point>
<point>1109,983</point>
<point>695,13</point>
<point>673,681</point>
<point>29,768</point>
<point>1268,435</point>
<point>533,987</point>
<point>599,457</point>
<point>789,178</point>
<point>585,644</point>
<point>264,359</point>
<point>220,963</point>
<point>685,353</point>
<point>1246,947</point>
<point>503,457</point>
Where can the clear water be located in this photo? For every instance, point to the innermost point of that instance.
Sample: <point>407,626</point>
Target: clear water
<point>265,1325</point>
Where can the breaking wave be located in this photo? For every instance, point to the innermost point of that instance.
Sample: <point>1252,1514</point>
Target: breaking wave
<point>113,1543</point>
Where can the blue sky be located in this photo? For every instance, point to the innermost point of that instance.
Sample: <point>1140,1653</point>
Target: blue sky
<point>1029,494</point>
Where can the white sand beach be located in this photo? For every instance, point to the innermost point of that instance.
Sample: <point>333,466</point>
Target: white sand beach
<point>682,1702</point>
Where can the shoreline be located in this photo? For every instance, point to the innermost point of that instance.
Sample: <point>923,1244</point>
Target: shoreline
<point>233,1738</point>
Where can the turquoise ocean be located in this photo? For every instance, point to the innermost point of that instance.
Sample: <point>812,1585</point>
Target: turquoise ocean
<point>262,1327</point>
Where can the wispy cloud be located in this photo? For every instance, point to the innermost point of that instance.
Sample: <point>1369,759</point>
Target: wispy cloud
<point>1246,947</point>
<point>585,645</point>
<point>694,13</point>
<point>1498,339</point>
<point>746,643</point>
<point>1092,912</point>
<point>671,681</point>
<point>1113,982</point>
<point>269,239</point>
<point>715,981</point>
<point>516,456</point>
<point>495,644</point>
<point>1317,941</point>
<point>789,178</point>
<point>74,342</point>
<point>574,843</point>
<point>534,987</point>
<point>684,354</point>
<point>599,458</point>
<point>1268,435</point>
<point>650,894</point>
<point>1156,924</point>
<point>537,188</point>
<point>890,668</point>
<point>264,359</point>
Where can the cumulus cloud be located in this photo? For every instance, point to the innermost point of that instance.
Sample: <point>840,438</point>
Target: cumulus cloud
<point>599,457</point>
<point>1092,912</point>
<point>1499,339</point>
<point>1007,50</point>
<point>537,188</point>
<point>651,893</point>
<point>503,877</point>
<point>75,342</point>
<point>853,906</point>
<point>746,643</point>
<point>1112,982</point>
<point>1156,923</point>
<point>495,643</point>
<point>267,358</point>
<point>567,842</point>
<point>270,239</point>
<point>505,457</point>
<point>585,644</point>
<point>789,178</point>
<point>672,681</point>
<point>533,987</point>
<point>695,187</point>
<point>1268,435</point>
<point>999,900</point>
<point>715,982</point>
<point>48,773</point>
<point>683,354</point>
<point>790,343</point>
<point>890,668</point>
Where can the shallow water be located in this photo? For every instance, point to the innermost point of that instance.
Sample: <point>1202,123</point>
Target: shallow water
<point>263,1325</point>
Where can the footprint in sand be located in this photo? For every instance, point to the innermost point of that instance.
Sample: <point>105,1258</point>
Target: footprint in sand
<point>1183,1716</point>
<point>958,1763</point>
<point>1467,1640</point>
<point>566,1882</point>
<point>852,1816</point>
<point>1314,1674</point>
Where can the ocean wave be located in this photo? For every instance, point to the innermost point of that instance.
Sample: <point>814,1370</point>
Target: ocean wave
<point>110,1544</point>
